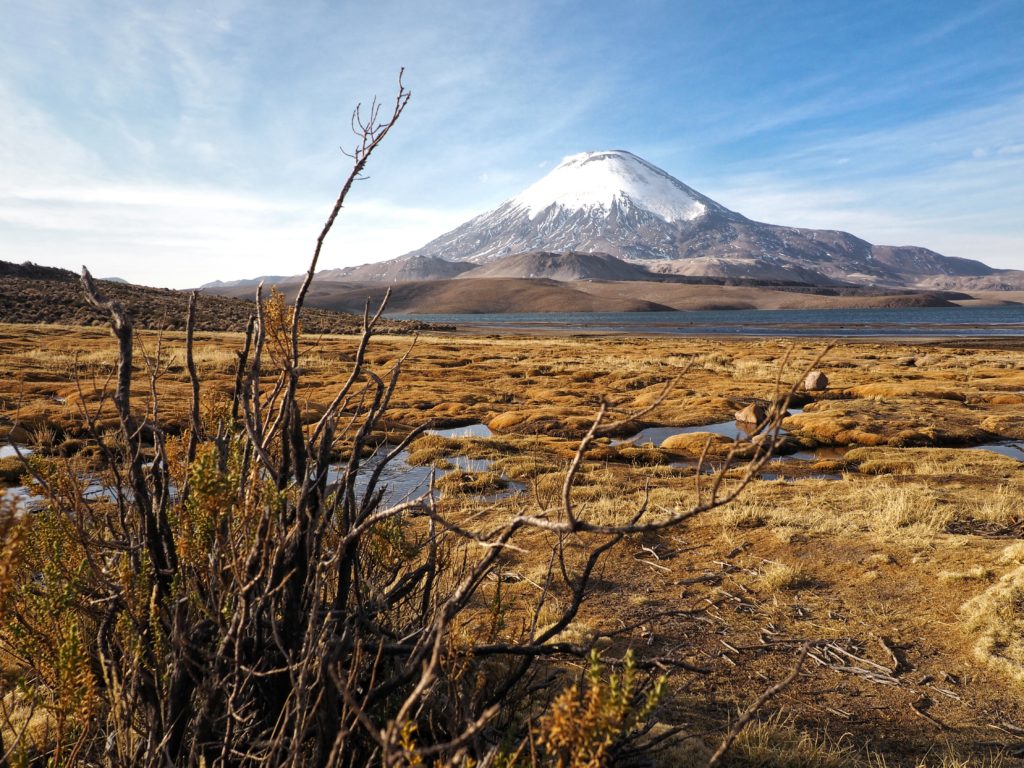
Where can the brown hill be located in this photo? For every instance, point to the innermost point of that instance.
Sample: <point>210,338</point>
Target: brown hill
<point>30,293</point>
<point>704,297</point>
<point>506,295</point>
<point>483,295</point>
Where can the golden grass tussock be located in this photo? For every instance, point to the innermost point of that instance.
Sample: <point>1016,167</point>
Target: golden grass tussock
<point>999,398</point>
<point>475,483</point>
<point>695,443</point>
<point>974,573</point>
<point>883,460</point>
<point>637,455</point>
<point>776,576</point>
<point>11,470</point>
<point>898,422</point>
<point>778,742</point>
<point>544,421</point>
<point>1013,554</point>
<point>22,720</point>
<point>996,617</point>
<point>428,450</point>
<point>1006,425</point>
<point>904,389</point>
<point>899,510</point>
<point>757,369</point>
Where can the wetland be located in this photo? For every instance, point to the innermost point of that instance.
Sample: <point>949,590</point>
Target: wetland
<point>889,530</point>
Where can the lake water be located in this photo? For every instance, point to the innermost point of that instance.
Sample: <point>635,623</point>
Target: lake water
<point>942,322</point>
<point>6,451</point>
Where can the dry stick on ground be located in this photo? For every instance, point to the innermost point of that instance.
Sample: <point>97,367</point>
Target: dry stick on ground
<point>751,712</point>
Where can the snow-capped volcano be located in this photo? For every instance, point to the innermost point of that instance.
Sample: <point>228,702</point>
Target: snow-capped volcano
<point>604,180</point>
<point>616,203</point>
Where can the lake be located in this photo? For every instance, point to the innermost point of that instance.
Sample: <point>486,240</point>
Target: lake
<point>940,322</point>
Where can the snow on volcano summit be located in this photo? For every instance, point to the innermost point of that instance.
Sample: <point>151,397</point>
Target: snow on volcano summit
<point>602,179</point>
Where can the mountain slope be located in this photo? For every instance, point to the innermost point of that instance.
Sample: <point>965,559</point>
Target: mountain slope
<point>482,296</point>
<point>399,270</point>
<point>617,203</point>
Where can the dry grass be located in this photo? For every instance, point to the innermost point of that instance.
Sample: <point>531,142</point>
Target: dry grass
<point>779,743</point>
<point>975,573</point>
<point>996,616</point>
<point>878,538</point>
<point>776,577</point>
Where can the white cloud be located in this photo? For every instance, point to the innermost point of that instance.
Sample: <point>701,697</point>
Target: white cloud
<point>181,237</point>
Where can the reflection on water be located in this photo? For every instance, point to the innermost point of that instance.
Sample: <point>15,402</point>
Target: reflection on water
<point>821,453</point>
<point>402,481</point>
<point>734,430</point>
<point>657,435</point>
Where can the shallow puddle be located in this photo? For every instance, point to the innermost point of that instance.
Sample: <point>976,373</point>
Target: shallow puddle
<point>8,450</point>
<point>1013,450</point>
<point>23,497</point>
<point>657,435</point>
<point>734,430</point>
<point>769,476</point>
<point>469,430</point>
<point>402,481</point>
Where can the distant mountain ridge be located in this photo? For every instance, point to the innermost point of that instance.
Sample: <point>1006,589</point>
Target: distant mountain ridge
<point>617,203</point>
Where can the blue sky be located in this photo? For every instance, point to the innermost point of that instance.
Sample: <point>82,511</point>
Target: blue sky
<point>175,143</point>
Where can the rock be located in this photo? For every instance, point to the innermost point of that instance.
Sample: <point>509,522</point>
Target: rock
<point>815,381</point>
<point>752,414</point>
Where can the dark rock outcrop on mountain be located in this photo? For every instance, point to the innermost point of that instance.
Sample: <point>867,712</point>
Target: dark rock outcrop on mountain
<point>401,270</point>
<point>561,266</point>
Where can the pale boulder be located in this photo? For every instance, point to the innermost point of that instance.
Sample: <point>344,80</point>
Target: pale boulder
<point>754,413</point>
<point>815,381</point>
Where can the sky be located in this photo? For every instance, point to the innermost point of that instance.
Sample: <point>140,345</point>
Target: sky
<point>176,143</point>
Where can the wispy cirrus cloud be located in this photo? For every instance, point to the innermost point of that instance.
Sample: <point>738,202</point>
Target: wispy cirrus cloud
<point>209,138</point>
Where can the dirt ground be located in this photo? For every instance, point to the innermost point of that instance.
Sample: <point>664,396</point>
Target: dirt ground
<point>891,540</point>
